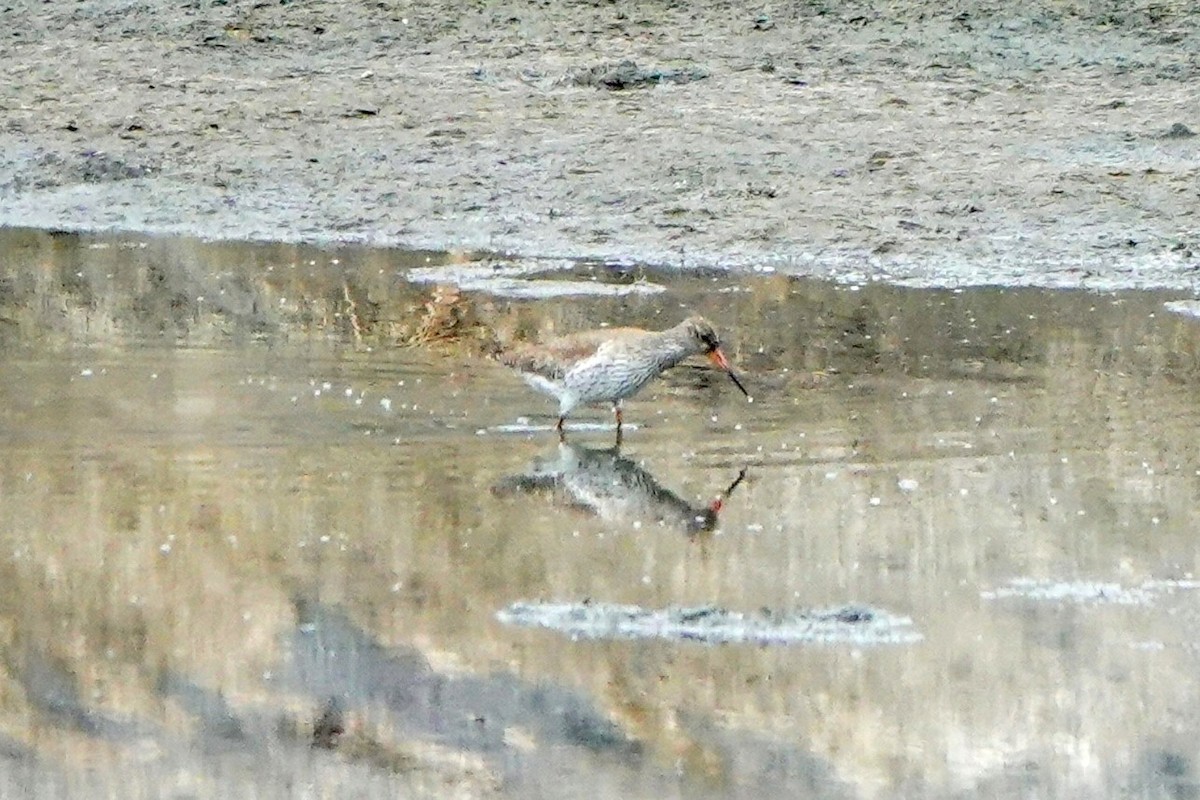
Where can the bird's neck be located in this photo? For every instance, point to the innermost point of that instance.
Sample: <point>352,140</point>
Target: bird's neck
<point>672,347</point>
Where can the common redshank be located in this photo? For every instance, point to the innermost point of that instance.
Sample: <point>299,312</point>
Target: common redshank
<point>612,487</point>
<point>610,364</point>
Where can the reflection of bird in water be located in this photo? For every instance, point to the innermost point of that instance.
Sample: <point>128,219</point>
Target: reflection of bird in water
<point>610,364</point>
<point>614,488</point>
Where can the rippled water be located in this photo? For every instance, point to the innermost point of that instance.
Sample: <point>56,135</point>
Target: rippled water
<point>251,548</point>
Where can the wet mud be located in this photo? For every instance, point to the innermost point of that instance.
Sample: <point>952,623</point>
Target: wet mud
<point>274,523</point>
<point>1050,144</point>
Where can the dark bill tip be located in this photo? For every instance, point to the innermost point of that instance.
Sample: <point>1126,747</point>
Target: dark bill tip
<point>718,358</point>
<point>733,377</point>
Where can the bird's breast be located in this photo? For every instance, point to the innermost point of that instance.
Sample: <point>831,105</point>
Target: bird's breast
<point>608,379</point>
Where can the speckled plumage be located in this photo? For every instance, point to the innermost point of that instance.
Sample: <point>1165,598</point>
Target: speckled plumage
<point>609,365</point>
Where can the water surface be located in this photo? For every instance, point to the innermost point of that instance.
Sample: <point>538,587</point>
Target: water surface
<point>251,547</point>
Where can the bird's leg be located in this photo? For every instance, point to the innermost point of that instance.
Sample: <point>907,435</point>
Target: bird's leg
<point>620,419</point>
<point>562,432</point>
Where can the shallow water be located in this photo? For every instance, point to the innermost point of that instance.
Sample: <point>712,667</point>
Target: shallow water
<point>250,548</point>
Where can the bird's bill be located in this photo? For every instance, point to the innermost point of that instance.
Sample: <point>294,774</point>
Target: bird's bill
<point>718,359</point>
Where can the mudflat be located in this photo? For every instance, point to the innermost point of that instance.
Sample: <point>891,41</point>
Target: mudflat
<point>1047,143</point>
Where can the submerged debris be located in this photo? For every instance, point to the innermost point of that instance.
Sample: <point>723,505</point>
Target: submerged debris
<point>448,318</point>
<point>858,625</point>
<point>1177,131</point>
<point>528,278</point>
<point>1087,592</point>
<point>329,726</point>
<point>1189,308</point>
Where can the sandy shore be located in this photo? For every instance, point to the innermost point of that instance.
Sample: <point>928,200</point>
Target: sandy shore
<point>916,142</point>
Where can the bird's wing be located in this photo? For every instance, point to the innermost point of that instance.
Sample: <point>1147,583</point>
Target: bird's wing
<point>535,360</point>
<point>552,359</point>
